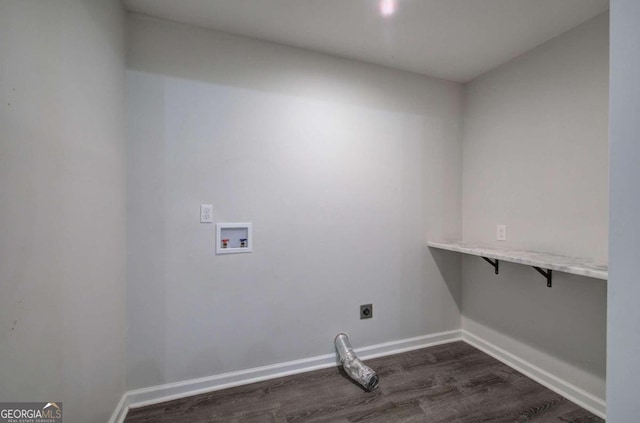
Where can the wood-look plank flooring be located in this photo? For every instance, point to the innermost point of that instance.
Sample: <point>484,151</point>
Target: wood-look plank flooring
<point>446,383</point>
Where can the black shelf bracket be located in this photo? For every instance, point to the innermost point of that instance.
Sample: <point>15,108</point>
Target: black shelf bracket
<point>495,263</point>
<point>546,274</point>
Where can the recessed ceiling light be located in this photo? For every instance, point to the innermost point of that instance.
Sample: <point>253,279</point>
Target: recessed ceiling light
<point>388,7</point>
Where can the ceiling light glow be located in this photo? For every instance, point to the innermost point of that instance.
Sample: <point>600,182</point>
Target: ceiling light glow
<point>388,7</point>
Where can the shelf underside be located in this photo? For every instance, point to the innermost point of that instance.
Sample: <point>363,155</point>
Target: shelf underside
<point>573,265</point>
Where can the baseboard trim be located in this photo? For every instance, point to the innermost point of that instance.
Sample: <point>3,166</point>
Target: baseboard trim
<point>584,399</point>
<point>172,391</point>
<point>121,410</point>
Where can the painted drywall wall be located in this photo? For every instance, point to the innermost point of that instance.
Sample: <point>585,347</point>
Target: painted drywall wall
<point>535,159</point>
<point>345,170</point>
<point>62,202</point>
<point>623,344</point>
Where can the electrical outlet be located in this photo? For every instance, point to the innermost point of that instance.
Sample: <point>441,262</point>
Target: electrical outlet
<point>501,232</point>
<point>206,213</point>
<point>366,311</point>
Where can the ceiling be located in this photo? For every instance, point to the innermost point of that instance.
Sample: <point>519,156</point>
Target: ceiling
<point>451,39</point>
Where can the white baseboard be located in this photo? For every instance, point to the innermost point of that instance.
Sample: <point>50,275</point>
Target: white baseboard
<point>120,412</point>
<point>584,399</point>
<point>171,391</point>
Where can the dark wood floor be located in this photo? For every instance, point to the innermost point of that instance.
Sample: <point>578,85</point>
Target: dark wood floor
<point>446,383</point>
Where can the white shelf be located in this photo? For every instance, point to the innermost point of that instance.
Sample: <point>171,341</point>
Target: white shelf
<point>573,265</point>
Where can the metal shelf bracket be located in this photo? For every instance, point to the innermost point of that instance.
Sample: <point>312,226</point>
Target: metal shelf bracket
<point>495,263</point>
<point>546,274</point>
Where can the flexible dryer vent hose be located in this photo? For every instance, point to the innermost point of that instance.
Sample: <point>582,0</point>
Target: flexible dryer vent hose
<point>355,368</point>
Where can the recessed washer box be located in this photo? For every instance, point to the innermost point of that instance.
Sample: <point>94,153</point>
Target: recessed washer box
<point>233,238</point>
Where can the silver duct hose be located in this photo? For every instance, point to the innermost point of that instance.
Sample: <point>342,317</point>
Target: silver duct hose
<point>355,368</point>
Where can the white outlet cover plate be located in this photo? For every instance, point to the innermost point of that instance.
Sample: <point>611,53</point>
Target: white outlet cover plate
<point>206,213</point>
<point>501,232</point>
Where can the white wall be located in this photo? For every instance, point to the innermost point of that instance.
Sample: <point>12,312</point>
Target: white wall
<point>62,202</point>
<point>623,346</point>
<point>345,170</point>
<point>535,159</point>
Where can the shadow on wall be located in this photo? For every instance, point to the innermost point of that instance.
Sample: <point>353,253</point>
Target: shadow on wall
<point>449,264</point>
<point>567,321</point>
